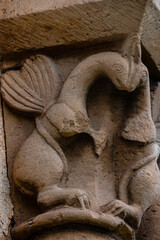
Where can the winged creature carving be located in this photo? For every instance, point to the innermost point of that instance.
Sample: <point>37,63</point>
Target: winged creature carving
<point>60,113</point>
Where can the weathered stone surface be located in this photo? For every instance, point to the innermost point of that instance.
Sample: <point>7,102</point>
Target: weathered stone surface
<point>33,26</point>
<point>97,128</point>
<point>149,228</point>
<point>39,24</point>
<point>74,236</point>
<point>81,161</point>
<point>150,31</point>
<point>5,201</point>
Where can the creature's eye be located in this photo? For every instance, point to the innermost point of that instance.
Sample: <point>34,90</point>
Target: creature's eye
<point>118,68</point>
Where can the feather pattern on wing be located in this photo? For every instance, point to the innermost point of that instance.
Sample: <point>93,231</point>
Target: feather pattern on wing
<point>33,87</point>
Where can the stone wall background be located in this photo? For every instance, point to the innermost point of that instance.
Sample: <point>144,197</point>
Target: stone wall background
<point>6,208</point>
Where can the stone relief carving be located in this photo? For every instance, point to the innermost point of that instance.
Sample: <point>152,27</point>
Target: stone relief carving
<point>60,116</point>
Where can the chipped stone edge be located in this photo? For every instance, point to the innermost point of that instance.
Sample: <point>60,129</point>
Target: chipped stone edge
<point>6,207</point>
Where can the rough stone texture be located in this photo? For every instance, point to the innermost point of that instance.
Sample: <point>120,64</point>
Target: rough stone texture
<point>43,26</point>
<point>95,126</point>
<point>38,24</point>
<point>150,31</point>
<point>78,235</point>
<point>149,228</point>
<point>5,201</point>
<point>51,23</point>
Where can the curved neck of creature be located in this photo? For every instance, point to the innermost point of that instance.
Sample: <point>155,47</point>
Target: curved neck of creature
<point>79,82</point>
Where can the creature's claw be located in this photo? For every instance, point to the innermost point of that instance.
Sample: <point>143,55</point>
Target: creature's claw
<point>131,213</point>
<point>115,207</point>
<point>84,201</point>
<point>53,196</point>
<point>78,198</point>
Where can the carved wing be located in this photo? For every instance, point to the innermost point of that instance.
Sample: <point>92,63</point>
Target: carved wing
<point>32,88</point>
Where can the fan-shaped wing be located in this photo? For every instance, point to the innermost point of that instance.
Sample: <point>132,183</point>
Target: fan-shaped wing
<point>33,87</point>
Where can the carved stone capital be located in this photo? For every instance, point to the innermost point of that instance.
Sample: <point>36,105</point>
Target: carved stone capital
<point>41,168</point>
<point>81,131</point>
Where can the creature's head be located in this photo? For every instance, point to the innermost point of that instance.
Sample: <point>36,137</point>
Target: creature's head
<point>127,72</point>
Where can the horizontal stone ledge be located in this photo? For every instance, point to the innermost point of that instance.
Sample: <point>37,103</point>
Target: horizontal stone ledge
<point>37,24</point>
<point>31,25</point>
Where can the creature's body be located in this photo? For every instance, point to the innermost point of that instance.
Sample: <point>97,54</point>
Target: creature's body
<point>40,163</point>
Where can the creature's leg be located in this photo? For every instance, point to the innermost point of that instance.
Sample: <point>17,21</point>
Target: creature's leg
<point>38,169</point>
<point>143,190</point>
<point>52,196</point>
